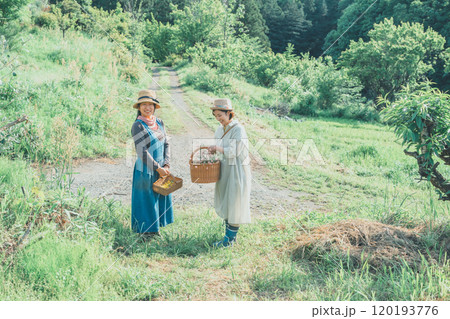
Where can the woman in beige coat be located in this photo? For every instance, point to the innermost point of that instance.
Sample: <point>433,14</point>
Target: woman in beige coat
<point>232,192</point>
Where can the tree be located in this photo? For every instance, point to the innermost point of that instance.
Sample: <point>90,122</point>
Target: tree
<point>286,22</point>
<point>361,15</point>
<point>162,9</point>
<point>105,4</point>
<point>274,17</point>
<point>394,57</point>
<point>160,39</point>
<point>139,9</point>
<point>67,14</point>
<point>200,22</point>
<point>254,22</point>
<point>422,120</point>
<point>295,23</point>
<point>114,24</point>
<point>323,15</point>
<point>9,9</point>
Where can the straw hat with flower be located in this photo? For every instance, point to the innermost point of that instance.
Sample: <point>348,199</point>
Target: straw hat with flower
<point>147,96</point>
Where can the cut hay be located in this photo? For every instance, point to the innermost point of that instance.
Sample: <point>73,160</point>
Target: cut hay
<point>360,241</point>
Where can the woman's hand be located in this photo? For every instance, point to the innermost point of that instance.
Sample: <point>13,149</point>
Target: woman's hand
<point>214,148</point>
<point>163,171</point>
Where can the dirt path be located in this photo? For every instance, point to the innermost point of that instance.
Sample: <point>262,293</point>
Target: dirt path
<point>112,178</point>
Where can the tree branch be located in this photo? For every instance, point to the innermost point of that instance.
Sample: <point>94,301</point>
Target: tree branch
<point>426,171</point>
<point>19,120</point>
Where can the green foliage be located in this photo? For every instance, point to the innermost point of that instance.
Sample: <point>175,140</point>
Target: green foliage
<point>286,21</point>
<point>253,21</point>
<point>323,15</point>
<point>46,20</point>
<point>199,23</point>
<point>67,14</point>
<point>274,17</point>
<point>394,57</point>
<point>114,24</point>
<point>9,9</point>
<point>307,85</point>
<point>160,40</point>
<point>85,78</point>
<point>162,9</point>
<point>410,113</point>
<point>431,13</point>
<point>421,119</point>
<point>206,79</point>
<point>445,56</point>
<point>13,176</point>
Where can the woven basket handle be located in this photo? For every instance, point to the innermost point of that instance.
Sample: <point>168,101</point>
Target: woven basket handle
<point>198,149</point>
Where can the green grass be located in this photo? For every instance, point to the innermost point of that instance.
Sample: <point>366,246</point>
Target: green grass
<point>98,257</point>
<point>78,81</point>
<point>108,262</point>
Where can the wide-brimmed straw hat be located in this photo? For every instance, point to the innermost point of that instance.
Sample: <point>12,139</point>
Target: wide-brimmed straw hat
<point>222,104</point>
<point>147,96</point>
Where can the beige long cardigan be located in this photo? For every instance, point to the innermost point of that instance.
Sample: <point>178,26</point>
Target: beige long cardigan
<point>232,192</point>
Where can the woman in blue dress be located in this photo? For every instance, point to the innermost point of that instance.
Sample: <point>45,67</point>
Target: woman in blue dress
<point>149,210</point>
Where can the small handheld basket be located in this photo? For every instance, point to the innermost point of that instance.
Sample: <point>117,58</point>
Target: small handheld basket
<point>204,172</point>
<point>167,184</point>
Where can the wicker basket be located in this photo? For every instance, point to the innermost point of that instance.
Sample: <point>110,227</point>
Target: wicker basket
<point>176,184</point>
<point>204,172</point>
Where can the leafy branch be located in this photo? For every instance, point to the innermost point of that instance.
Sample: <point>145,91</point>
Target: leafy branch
<point>422,119</point>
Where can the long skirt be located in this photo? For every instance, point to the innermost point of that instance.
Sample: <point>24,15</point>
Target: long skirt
<point>149,210</point>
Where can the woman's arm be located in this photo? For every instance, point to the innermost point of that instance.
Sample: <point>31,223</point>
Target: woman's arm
<point>235,147</point>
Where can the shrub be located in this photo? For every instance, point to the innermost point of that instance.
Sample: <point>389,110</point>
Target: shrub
<point>10,9</point>
<point>132,72</point>
<point>46,20</point>
<point>159,41</point>
<point>394,57</point>
<point>422,119</point>
<point>206,79</point>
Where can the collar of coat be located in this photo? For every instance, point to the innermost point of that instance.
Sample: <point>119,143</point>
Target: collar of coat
<point>232,124</point>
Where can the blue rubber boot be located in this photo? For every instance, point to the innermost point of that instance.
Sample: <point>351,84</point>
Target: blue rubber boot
<point>229,239</point>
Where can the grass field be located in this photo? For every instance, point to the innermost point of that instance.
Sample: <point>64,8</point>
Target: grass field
<point>80,248</point>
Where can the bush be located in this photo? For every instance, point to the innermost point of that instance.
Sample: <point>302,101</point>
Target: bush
<point>394,57</point>
<point>9,9</point>
<point>46,20</point>
<point>305,85</point>
<point>159,41</point>
<point>132,72</point>
<point>204,78</point>
<point>174,60</point>
<point>421,119</point>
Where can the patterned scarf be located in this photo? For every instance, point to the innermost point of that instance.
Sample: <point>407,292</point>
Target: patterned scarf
<point>151,122</point>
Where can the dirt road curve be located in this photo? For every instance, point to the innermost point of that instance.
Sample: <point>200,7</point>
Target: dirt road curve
<point>112,178</point>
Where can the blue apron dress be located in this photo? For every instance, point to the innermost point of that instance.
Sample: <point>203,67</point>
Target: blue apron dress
<point>149,210</point>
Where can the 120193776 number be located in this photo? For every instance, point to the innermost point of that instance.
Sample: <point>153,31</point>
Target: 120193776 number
<point>404,310</point>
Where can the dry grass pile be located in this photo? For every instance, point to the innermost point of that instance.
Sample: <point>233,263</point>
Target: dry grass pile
<point>362,240</point>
